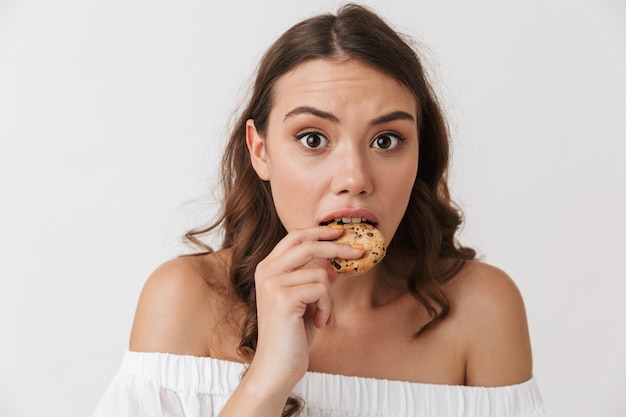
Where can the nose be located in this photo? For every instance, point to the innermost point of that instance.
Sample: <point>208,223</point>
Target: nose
<point>353,174</point>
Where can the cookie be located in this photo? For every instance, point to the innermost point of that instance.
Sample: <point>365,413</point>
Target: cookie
<point>361,236</point>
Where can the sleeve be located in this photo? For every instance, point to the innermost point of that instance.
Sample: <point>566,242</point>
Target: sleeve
<point>131,395</point>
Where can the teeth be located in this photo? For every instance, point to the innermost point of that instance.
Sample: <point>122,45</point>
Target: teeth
<point>350,220</point>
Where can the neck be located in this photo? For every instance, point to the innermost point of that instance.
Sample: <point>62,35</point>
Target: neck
<point>373,289</point>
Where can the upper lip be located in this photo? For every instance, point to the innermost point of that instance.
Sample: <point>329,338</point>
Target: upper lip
<point>354,213</point>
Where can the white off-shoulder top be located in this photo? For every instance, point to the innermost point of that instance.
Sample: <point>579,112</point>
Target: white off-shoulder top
<point>166,385</point>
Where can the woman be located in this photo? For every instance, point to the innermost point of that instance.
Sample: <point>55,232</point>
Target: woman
<point>342,124</point>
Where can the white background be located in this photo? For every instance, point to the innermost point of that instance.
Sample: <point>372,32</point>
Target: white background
<point>113,116</point>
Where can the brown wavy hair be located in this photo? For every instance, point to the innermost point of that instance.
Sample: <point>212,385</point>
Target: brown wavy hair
<point>426,235</point>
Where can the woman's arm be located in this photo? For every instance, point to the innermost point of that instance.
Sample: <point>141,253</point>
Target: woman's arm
<point>293,294</point>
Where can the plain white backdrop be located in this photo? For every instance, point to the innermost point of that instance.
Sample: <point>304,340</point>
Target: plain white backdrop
<point>113,116</point>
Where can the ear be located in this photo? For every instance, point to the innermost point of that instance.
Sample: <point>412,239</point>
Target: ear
<point>256,148</point>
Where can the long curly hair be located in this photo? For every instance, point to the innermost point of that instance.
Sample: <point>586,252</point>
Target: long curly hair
<point>426,234</point>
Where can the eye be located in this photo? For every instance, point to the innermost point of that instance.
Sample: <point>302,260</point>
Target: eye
<point>387,141</point>
<point>312,140</point>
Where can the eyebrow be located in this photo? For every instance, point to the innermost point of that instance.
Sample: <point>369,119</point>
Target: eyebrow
<point>390,117</point>
<point>312,110</point>
<point>396,115</point>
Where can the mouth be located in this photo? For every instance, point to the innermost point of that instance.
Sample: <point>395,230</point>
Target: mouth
<point>346,220</point>
<point>350,215</point>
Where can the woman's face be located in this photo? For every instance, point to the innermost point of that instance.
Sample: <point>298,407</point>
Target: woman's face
<point>341,141</point>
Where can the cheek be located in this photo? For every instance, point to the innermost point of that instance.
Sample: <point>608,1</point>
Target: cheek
<point>295,191</point>
<point>286,176</point>
<point>291,174</point>
<point>403,185</point>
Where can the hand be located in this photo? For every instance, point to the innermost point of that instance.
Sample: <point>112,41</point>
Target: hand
<point>294,300</point>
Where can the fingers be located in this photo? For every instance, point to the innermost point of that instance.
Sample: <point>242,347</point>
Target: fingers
<point>302,246</point>
<point>289,284</point>
<point>316,299</point>
<point>302,287</point>
<point>294,300</point>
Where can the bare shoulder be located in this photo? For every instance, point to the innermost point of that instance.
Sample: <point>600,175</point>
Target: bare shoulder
<point>490,312</point>
<point>179,304</point>
<point>483,287</point>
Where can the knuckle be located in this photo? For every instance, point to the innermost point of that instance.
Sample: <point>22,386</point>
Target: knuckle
<point>308,246</point>
<point>260,272</point>
<point>320,275</point>
<point>268,284</point>
<point>321,288</point>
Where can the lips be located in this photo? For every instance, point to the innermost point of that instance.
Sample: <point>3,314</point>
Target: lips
<point>356,215</point>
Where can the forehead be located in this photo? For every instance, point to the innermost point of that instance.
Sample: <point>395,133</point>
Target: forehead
<point>335,83</point>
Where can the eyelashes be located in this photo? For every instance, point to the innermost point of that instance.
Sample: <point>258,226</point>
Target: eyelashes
<point>386,141</point>
<point>312,140</point>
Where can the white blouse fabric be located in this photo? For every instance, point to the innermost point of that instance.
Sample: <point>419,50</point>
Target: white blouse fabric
<point>166,385</point>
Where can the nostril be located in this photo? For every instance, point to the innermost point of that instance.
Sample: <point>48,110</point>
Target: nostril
<point>362,192</point>
<point>352,179</point>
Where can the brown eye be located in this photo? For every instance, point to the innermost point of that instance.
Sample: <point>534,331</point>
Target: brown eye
<point>312,140</point>
<point>386,141</point>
